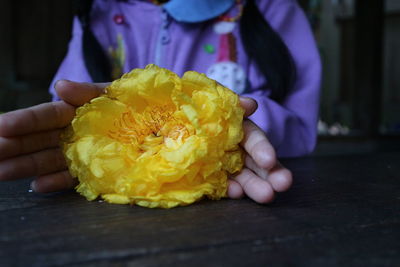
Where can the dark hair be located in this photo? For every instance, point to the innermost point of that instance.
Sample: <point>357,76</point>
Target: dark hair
<point>261,43</point>
<point>96,61</point>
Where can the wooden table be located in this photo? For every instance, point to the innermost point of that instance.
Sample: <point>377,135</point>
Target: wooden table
<point>341,211</point>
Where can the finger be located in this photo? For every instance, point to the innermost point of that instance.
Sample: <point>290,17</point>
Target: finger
<point>256,144</point>
<point>235,190</point>
<point>255,188</point>
<point>78,94</point>
<point>280,178</point>
<point>249,104</point>
<point>43,162</point>
<point>38,118</point>
<point>54,182</point>
<point>13,146</point>
<point>251,164</point>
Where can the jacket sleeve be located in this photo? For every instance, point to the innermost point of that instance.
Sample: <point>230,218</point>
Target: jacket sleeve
<point>291,126</point>
<point>73,66</point>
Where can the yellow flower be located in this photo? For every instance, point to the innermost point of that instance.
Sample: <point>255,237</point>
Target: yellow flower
<point>156,140</point>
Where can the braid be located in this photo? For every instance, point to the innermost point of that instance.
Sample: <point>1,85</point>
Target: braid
<point>96,61</point>
<point>266,48</point>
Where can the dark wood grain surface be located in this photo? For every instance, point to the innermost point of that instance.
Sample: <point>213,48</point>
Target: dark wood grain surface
<point>341,211</point>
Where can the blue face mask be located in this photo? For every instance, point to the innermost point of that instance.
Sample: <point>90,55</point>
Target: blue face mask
<point>197,10</point>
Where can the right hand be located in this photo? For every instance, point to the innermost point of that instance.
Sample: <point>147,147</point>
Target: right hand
<point>29,138</point>
<point>262,175</point>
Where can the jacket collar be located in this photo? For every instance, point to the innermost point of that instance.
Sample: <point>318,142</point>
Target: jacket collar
<point>192,11</point>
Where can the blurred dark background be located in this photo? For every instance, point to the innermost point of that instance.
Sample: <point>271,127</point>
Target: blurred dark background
<point>359,41</point>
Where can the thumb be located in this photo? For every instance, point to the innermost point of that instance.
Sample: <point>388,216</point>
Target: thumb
<point>249,104</point>
<point>77,94</point>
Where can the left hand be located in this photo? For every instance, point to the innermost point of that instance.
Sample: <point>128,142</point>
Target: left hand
<point>262,175</point>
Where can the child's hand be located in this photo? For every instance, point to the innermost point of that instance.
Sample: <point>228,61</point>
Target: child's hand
<point>29,138</point>
<point>262,175</point>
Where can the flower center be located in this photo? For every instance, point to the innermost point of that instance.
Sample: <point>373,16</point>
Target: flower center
<point>132,126</point>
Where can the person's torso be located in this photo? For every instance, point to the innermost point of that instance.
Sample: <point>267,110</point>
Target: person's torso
<point>136,33</point>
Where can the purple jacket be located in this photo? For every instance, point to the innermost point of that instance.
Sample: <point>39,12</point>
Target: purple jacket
<point>130,32</point>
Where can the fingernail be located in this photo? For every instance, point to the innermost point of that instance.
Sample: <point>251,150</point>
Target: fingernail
<point>58,81</point>
<point>33,186</point>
